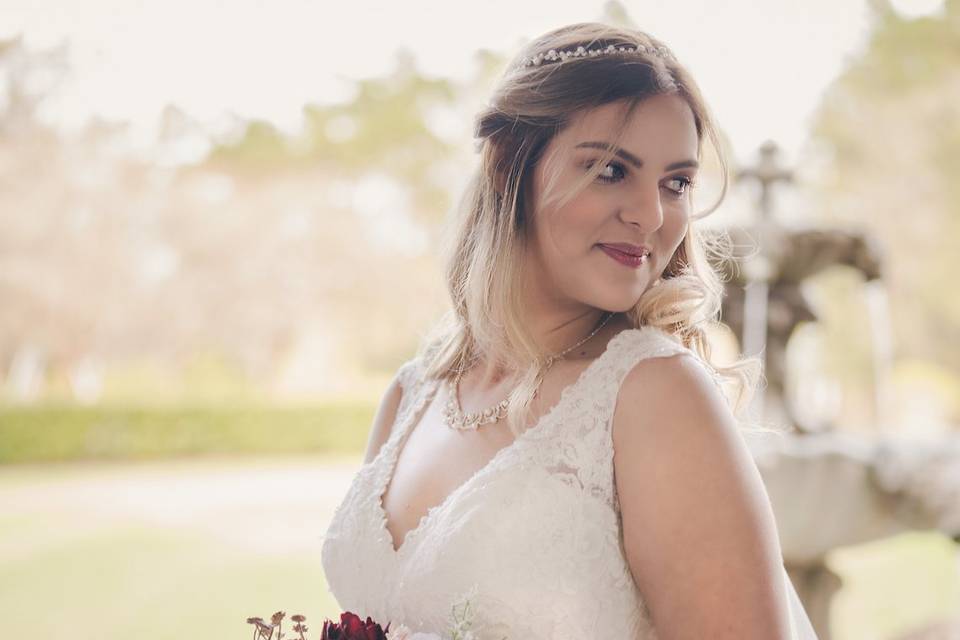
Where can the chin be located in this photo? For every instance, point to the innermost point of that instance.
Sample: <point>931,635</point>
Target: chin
<point>621,305</point>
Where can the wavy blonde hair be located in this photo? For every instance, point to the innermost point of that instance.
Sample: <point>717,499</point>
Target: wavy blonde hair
<point>485,240</point>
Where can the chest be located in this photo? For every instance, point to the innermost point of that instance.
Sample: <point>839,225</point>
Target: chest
<point>530,523</point>
<point>434,460</point>
<point>526,537</point>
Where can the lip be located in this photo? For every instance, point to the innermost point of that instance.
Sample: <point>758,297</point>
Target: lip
<point>629,260</point>
<point>628,248</point>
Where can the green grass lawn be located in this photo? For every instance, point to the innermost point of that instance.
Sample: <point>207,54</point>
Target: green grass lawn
<point>895,585</point>
<point>152,523</point>
<point>81,558</point>
<point>191,548</point>
<point>49,432</point>
<point>147,583</point>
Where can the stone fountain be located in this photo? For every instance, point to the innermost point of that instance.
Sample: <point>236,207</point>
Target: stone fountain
<point>829,488</point>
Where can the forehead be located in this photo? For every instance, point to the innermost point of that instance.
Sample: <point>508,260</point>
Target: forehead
<point>659,125</point>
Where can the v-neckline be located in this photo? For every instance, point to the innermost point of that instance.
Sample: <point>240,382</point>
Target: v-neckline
<point>414,416</point>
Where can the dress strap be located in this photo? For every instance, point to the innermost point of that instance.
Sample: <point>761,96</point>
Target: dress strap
<point>585,441</point>
<point>410,375</point>
<point>640,344</point>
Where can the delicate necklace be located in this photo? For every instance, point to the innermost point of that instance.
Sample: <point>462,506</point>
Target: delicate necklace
<point>456,419</point>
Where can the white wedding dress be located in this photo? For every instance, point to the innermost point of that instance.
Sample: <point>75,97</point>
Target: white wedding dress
<point>534,537</point>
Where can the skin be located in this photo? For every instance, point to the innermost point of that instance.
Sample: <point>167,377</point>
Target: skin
<point>646,205</point>
<point>699,532</point>
<point>571,282</point>
<point>698,529</point>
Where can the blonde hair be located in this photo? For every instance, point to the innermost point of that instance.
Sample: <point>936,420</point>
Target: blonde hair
<point>483,254</point>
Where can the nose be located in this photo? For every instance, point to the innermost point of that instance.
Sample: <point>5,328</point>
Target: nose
<point>645,210</point>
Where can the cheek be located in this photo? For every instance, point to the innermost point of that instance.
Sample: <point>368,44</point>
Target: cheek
<point>673,238</point>
<point>677,227</point>
<point>587,215</point>
<point>567,232</point>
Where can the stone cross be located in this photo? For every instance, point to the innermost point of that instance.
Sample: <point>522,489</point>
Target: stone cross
<point>766,172</point>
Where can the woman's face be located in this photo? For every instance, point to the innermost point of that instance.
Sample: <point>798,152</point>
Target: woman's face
<point>640,198</point>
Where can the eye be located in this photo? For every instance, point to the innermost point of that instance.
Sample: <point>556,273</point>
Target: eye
<point>606,179</point>
<point>686,183</point>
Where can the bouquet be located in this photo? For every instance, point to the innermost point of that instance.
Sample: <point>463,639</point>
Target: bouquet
<point>351,627</point>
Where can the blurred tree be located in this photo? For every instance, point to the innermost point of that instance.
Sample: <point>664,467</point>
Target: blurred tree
<point>385,128</point>
<point>887,145</point>
<point>615,13</point>
<point>293,260</point>
<point>30,77</point>
<point>33,311</point>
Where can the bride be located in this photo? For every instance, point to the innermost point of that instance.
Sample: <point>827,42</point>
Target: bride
<point>561,447</point>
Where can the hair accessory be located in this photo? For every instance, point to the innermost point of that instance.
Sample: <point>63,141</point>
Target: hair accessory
<point>582,52</point>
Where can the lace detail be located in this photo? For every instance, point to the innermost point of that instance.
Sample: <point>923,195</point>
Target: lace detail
<point>536,532</point>
<point>409,376</point>
<point>582,454</point>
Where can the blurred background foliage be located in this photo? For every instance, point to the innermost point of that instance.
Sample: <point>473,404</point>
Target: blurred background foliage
<point>252,291</point>
<point>884,156</point>
<point>281,268</point>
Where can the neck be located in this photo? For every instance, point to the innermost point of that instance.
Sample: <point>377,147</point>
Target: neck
<point>556,332</point>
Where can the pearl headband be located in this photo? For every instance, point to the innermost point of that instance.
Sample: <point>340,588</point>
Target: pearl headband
<point>582,52</point>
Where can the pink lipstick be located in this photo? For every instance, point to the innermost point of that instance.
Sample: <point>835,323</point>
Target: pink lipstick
<point>628,259</point>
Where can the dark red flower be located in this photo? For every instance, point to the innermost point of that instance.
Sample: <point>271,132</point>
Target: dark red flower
<point>352,628</point>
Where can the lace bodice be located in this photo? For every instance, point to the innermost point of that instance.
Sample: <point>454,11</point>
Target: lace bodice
<point>535,534</point>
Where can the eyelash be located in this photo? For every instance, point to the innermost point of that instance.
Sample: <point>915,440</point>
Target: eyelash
<point>687,181</point>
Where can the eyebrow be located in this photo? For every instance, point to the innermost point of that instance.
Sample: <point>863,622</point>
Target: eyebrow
<point>634,160</point>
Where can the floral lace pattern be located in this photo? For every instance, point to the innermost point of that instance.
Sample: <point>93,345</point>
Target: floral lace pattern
<point>536,531</point>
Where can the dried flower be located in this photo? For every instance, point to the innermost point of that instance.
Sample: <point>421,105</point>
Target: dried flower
<point>262,628</point>
<point>351,627</point>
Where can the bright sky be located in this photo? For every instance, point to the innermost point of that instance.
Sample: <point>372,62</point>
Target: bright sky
<point>761,65</point>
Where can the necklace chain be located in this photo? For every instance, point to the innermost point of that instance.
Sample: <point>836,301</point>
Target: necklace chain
<point>454,416</point>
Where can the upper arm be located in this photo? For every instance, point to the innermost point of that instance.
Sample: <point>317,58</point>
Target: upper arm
<point>384,419</point>
<point>698,528</point>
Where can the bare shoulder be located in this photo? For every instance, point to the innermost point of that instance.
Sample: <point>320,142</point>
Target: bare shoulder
<point>670,404</point>
<point>698,528</point>
<point>385,417</point>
